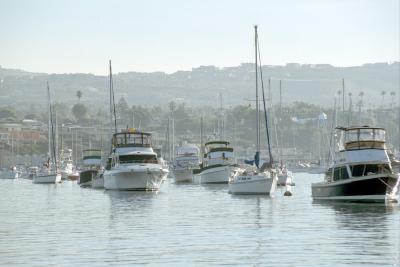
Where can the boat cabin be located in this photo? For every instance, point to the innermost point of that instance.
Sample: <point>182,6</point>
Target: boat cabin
<point>187,151</point>
<point>218,152</point>
<point>131,138</point>
<point>91,157</point>
<point>357,138</point>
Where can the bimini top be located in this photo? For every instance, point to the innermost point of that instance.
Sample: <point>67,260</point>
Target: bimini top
<point>131,137</point>
<point>226,143</point>
<point>362,137</point>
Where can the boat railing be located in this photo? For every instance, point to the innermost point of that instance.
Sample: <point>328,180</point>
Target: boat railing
<point>152,161</point>
<point>358,145</point>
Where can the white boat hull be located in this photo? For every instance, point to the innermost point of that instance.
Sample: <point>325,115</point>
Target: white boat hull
<point>51,178</point>
<point>141,178</point>
<point>252,185</point>
<point>216,175</point>
<point>183,175</point>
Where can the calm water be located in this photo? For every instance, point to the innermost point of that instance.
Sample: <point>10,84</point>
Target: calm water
<point>64,225</point>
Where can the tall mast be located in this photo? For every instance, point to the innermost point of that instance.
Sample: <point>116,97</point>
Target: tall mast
<point>280,99</point>
<point>271,160</point>
<point>49,120</point>
<point>257,104</point>
<point>343,101</point>
<point>112,102</point>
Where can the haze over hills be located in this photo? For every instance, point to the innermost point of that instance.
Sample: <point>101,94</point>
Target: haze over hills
<point>316,84</point>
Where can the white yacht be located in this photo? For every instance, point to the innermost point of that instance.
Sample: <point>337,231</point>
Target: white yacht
<point>67,166</point>
<point>218,163</point>
<point>256,180</point>
<point>187,159</point>
<point>134,164</point>
<point>361,170</point>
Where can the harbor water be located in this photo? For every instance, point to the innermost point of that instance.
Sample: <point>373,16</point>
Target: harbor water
<point>190,225</point>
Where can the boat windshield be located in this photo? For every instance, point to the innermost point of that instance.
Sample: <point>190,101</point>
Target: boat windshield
<point>91,153</point>
<point>137,159</point>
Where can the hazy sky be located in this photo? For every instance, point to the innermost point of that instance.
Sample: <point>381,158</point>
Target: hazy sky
<point>147,35</point>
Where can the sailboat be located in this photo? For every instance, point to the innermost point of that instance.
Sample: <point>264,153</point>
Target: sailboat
<point>256,180</point>
<point>49,174</point>
<point>134,165</point>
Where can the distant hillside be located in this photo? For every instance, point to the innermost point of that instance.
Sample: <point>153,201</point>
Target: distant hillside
<point>315,84</point>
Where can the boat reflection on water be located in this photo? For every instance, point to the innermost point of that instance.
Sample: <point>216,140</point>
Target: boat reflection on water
<point>360,210</point>
<point>121,201</point>
<point>215,187</point>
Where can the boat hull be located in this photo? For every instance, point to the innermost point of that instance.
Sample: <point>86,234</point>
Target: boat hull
<point>183,175</point>
<point>98,182</point>
<point>216,175</point>
<point>135,178</point>
<point>47,178</point>
<point>86,177</point>
<point>374,188</point>
<point>252,185</point>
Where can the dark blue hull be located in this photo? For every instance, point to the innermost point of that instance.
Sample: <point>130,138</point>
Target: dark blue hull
<point>355,189</point>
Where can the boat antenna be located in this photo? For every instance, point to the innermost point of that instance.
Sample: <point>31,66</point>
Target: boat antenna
<point>265,108</point>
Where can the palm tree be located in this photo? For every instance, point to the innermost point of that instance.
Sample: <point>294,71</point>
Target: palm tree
<point>79,95</point>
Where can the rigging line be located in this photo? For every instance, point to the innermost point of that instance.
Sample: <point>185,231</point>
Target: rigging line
<point>265,109</point>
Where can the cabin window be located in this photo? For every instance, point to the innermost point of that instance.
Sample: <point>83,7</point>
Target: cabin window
<point>357,170</point>
<point>340,173</point>
<point>137,159</point>
<point>371,169</point>
<point>379,135</point>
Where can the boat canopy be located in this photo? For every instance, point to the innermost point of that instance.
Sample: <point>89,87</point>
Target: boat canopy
<point>187,151</point>
<point>226,143</point>
<point>91,153</point>
<point>132,138</point>
<point>364,137</point>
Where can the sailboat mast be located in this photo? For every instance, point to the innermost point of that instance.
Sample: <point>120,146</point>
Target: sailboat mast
<point>257,104</point>
<point>271,160</point>
<point>112,102</point>
<point>49,120</point>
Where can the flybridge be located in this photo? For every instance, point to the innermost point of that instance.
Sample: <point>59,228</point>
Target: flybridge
<point>364,137</point>
<point>131,138</point>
